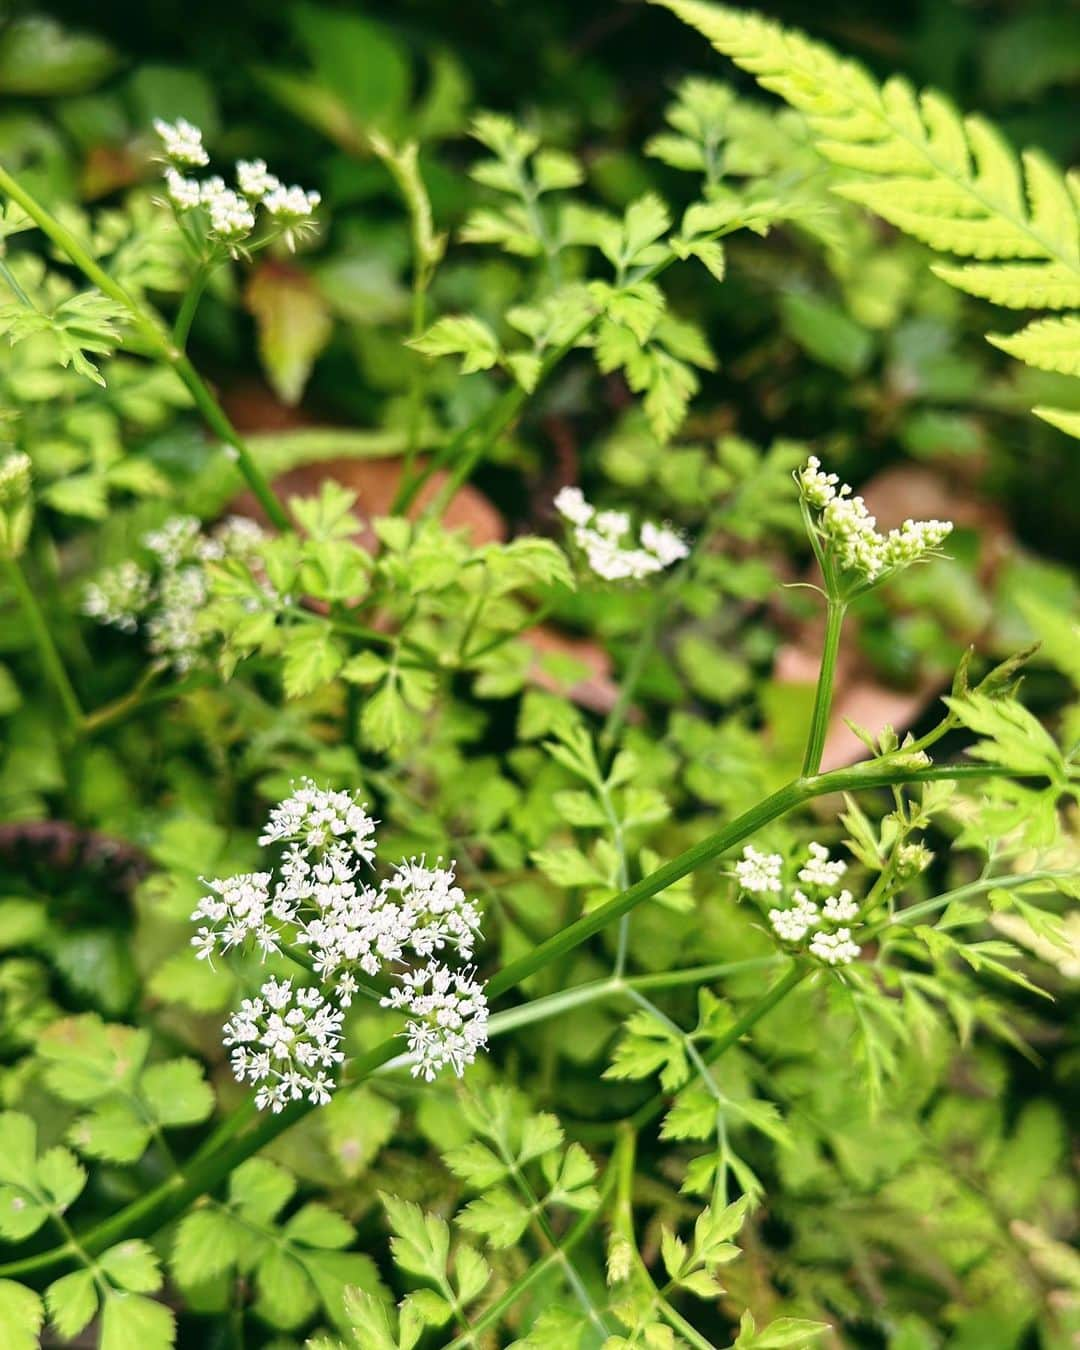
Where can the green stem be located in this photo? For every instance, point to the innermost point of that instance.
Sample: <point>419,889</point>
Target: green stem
<point>823,695</point>
<point>43,640</point>
<point>158,340</point>
<point>138,699</point>
<point>190,303</point>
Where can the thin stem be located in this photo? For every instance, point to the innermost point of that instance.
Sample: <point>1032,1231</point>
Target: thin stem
<point>190,303</point>
<point>43,640</point>
<point>158,340</point>
<point>140,698</point>
<point>823,695</point>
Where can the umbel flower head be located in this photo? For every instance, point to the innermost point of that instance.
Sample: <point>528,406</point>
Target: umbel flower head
<point>816,905</point>
<point>167,598</point>
<point>410,926</point>
<point>228,216</point>
<point>845,534</point>
<point>607,541</point>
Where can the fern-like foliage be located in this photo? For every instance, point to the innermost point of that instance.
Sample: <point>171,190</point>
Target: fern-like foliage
<point>951,181</point>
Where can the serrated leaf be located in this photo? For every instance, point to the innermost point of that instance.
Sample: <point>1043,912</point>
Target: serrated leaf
<point>21,1316</point>
<point>461,335</point>
<point>421,1244</point>
<point>312,656</point>
<point>72,1301</point>
<point>207,1242</point>
<point>60,1176</point>
<point>177,1092</point>
<point>260,1189</point>
<point>133,1322</point>
<point>316,1225</point>
<point>498,1216</point>
<point>133,1265</point>
<point>113,1130</point>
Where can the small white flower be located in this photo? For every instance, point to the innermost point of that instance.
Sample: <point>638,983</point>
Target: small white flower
<point>449,1015</point>
<point>118,597</point>
<point>231,218</point>
<point>661,540</point>
<point>291,204</point>
<point>835,949</point>
<point>287,1041</point>
<point>793,924</point>
<point>253,178</point>
<point>571,504</point>
<point>183,192</point>
<point>819,869</point>
<point>759,872</point>
<point>606,539</point>
<point>849,531</point>
<point>315,818</point>
<point>840,908</point>
<point>182,141</point>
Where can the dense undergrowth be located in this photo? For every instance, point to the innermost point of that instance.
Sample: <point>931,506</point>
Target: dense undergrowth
<point>501,844</point>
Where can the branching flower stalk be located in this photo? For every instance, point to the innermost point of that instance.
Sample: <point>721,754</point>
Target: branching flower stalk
<point>158,340</point>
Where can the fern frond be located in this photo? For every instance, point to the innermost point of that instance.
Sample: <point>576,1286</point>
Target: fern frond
<point>952,182</point>
<point>1050,344</point>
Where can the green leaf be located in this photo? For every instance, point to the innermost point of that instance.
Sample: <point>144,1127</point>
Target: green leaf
<point>461,335</point>
<point>260,1189</point>
<point>476,1164</point>
<point>113,1130</point>
<point>87,1059</point>
<point>177,1092</point>
<point>312,657</point>
<point>132,1322</point>
<point>18,1147</point>
<point>133,1265</point>
<point>317,1225</point>
<point>471,1273</point>
<point>421,1244</point>
<point>497,1215</point>
<point>39,57</point>
<point>60,1176</point>
<point>370,1319</point>
<point>21,1316</point>
<point>285,1296</point>
<point>20,1215</point>
<point>72,1301</point>
<point>207,1242</point>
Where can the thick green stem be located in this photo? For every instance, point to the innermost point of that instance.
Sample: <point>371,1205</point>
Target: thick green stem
<point>152,332</point>
<point>43,640</point>
<point>823,695</point>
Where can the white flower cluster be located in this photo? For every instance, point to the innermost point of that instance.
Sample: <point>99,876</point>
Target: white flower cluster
<point>168,600</point>
<point>287,1041</point>
<point>758,871</point>
<point>761,873</point>
<point>606,539</point>
<point>230,214</point>
<point>449,1017</point>
<point>319,902</point>
<point>181,142</point>
<point>849,531</point>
